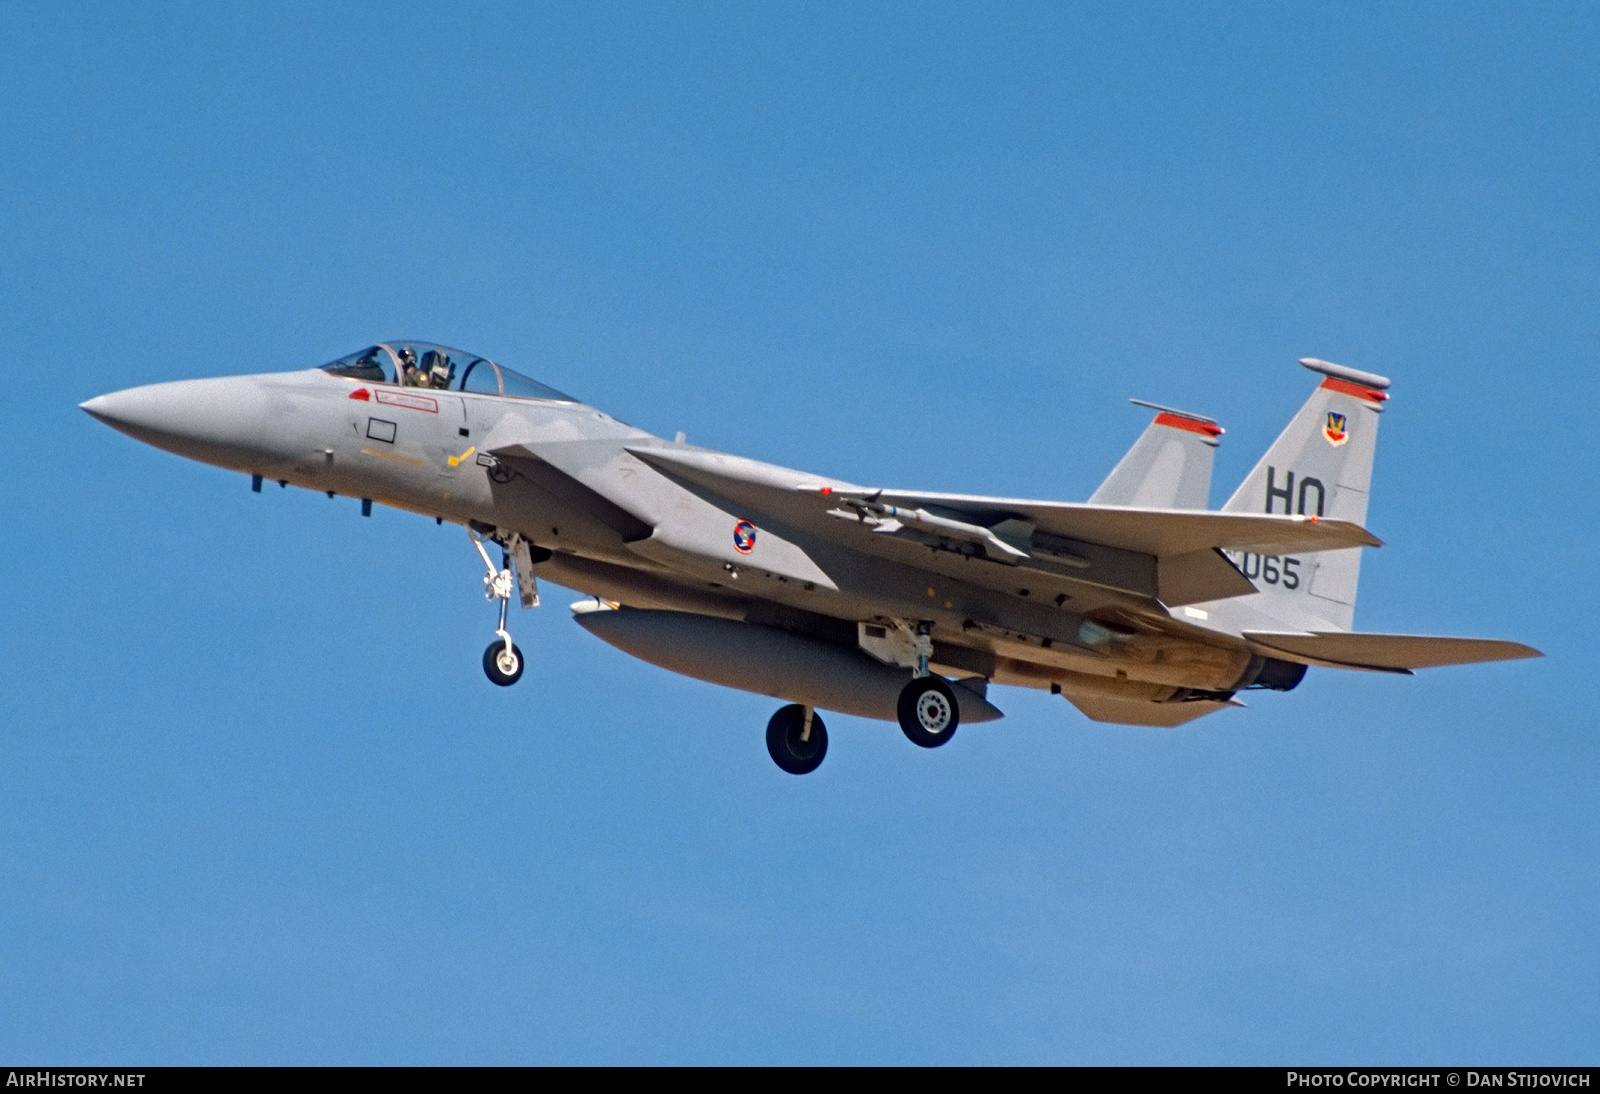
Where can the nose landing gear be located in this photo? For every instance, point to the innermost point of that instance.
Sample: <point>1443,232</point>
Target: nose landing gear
<point>502,661</point>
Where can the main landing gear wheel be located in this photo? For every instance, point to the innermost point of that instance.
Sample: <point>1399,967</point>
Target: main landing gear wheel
<point>502,666</point>
<point>797,739</point>
<point>928,711</point>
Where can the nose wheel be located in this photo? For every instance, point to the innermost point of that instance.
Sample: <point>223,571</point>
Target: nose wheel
<point>502,661</point>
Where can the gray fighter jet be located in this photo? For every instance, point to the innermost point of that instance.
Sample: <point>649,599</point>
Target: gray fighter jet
<point>1140,607</point>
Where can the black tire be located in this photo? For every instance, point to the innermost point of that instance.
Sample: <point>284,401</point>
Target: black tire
<point>928,712</point>
<point>495,671</point>
<point>788,751</point>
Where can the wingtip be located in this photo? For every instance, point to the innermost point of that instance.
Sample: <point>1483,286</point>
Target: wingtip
<point>1363,537</point>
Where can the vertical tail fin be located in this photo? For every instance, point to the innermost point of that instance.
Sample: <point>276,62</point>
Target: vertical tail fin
<point>1168,467</point>
<point>1320,465</point>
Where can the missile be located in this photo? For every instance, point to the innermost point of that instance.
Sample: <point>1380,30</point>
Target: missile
<point>887,519</point>
<point>764,660</point>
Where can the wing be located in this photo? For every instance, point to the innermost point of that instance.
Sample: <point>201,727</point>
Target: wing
<point>1386,652</point>
<point>1156,554</point>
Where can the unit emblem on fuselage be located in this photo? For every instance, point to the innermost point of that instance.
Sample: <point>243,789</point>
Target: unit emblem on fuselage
<point>744,537</point>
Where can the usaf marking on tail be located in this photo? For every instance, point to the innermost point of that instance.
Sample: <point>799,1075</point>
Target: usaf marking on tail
<point>1140,607</point>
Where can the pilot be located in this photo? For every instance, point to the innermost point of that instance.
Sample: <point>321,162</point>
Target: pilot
<point>410,374</point>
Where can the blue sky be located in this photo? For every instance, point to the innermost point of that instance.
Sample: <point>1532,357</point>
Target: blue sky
<point>259,805</point>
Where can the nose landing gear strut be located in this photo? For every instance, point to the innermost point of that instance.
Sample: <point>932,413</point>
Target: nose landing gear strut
<point>502,661</point>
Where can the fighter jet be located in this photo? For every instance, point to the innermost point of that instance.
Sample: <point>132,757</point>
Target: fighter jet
<point>1140,607</point>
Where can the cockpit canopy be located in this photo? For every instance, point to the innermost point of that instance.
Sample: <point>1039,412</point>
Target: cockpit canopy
<point>424,365</point>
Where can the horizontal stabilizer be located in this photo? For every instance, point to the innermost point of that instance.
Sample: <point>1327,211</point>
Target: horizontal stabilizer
<point>1386,652</point>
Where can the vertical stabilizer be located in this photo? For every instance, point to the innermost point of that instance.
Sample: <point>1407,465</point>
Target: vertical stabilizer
<point>1320,466</point>
<point>1168,467</point>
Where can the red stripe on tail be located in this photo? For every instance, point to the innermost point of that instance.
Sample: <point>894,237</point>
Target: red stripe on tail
<point>1189,424</point>
<point>1345,387</point>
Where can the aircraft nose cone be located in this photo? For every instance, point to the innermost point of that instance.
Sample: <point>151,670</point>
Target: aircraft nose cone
<point>216,421</point>
<point>186,408</point>
<point>114,409</point>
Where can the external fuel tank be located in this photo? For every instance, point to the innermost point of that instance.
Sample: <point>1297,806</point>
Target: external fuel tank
<point>764,660</point>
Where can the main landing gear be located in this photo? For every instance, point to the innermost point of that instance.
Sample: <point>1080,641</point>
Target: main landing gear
<point>927,711</point>
<point>502,661</point>
<point>797,739</point>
